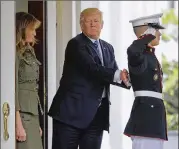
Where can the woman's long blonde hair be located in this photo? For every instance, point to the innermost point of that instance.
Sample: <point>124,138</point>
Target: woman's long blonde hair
<point>23,20</point>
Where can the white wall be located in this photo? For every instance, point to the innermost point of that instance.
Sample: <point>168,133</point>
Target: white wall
<point>172,142</point>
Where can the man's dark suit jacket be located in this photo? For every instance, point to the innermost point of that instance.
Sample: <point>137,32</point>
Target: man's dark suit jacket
<point>83,81</point>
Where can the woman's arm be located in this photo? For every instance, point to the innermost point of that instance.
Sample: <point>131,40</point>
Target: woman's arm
<point>20,132</point>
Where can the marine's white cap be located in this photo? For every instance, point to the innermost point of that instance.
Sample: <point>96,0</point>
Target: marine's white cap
<point>152,20</point>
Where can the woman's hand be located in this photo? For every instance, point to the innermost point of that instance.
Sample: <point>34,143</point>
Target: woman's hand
<point>20,131</point>
<point>40,130</point>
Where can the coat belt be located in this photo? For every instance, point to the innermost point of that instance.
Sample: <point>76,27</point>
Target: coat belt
<point>144,93</point>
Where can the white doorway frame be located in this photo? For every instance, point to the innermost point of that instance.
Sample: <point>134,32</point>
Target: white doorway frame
<point>51,60</point>
<point>7,71</point>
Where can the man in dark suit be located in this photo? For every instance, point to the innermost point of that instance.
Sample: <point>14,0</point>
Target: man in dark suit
<point>80,108</point>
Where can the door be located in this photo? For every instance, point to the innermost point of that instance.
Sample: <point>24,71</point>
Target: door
<point>7,70</point>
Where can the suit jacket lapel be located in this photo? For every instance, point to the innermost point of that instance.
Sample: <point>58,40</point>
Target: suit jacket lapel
<point>91,47</point>
<point>89,43</point>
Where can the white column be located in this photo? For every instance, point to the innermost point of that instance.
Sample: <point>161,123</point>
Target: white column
<point>64,32</point>
<point>51,59</point>
<point>59,32</point>
<point>77,17</point>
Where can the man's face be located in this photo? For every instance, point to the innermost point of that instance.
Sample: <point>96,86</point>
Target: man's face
<point>156,41</point>
<point>92,25</point>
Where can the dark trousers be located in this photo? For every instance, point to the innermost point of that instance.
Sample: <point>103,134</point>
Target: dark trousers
<point>69,137</point>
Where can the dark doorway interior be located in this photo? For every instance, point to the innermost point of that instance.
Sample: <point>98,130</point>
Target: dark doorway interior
<point>38,9</point>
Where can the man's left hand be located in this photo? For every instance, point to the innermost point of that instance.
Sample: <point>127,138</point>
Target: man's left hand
<point>124,77</point>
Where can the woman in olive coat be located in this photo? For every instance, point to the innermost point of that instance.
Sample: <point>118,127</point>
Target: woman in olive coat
<point>28,131</point>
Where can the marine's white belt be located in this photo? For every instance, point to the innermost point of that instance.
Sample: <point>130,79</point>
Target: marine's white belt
<point>144,93</point>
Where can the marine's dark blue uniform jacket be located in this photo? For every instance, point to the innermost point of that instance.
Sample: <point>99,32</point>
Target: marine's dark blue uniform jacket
<point>148,116</point>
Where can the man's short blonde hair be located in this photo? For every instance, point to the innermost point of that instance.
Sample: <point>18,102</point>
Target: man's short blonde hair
<point>140,30</point>
<point>89,11</point>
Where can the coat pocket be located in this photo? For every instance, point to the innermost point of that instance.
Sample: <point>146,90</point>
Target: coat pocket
<point>25,116</point>
<point>28,101</point>
<point>26,119</point>
<point>24,100</point>
<point>74,95</point>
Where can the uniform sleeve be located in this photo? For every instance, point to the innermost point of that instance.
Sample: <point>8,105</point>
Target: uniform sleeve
<point>17,106</point>
<point>137,60</point>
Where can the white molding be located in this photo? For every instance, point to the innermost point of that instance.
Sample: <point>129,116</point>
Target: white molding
<point>7,72</point>
<point>51,59</point>
<point>64,32</point>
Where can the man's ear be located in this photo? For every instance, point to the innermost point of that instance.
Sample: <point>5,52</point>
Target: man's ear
<point>81,25</point>
<point>102,24</point>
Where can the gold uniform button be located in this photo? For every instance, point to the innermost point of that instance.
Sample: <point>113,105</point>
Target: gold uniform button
<point>155,77</point>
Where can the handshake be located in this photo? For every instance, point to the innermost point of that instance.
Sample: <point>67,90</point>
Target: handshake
<point>124,76</point>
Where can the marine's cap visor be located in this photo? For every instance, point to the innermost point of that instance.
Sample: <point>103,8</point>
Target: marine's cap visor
<point>156,25</point>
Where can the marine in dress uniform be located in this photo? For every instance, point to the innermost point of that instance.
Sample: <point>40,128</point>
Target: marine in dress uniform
<point>147,123</point>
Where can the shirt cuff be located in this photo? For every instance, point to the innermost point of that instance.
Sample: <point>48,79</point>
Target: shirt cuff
<point>117,76</point>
